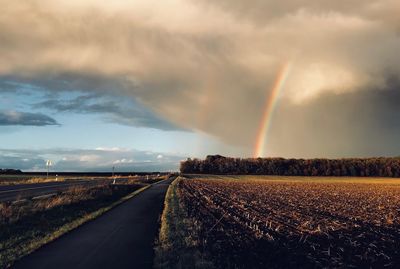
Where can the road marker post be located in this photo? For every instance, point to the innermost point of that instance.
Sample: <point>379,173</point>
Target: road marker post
<point>48,164</point>
<point>113,170</point>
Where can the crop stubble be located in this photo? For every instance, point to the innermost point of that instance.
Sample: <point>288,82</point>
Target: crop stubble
<point>286,223</point>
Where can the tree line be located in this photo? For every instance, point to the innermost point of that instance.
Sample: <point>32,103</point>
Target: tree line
<point>362,167</point>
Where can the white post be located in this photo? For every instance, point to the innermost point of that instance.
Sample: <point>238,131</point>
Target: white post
<point>113,170</point>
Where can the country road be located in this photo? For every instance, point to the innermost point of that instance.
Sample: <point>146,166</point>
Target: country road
<point>121,238</point>
<point>22,191</point>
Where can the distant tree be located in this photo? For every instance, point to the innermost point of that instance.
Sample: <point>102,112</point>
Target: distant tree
<point>8,171</point>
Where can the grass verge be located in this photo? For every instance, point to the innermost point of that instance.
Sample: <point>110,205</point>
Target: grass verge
<point>32,179</point>
<point>177,245</point>
<point>25,228</point>
<point>27,179</point>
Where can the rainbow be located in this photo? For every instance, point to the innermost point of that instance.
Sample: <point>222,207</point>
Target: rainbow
<point>270,105</point>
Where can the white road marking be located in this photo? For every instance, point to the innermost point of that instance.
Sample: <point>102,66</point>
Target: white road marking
<point>43,187</point>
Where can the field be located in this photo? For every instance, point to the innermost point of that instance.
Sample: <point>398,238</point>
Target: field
<point>291,222</point>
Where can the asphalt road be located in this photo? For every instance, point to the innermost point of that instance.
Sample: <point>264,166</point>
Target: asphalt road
<point>22,191</point>
<point>121,238</point>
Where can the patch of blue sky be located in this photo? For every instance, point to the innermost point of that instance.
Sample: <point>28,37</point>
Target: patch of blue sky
<point>83,130</point>
<point>19,96</point>
<point>91,130</point>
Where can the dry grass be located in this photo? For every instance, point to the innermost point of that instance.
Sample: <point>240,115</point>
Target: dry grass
<point>141,179</point>
<point>26,179</point>
<point>11,212</point>
<point>25,227</point>
<point>178,245</point>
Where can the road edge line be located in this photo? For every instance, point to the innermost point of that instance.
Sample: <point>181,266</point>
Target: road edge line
<point>68,227</point>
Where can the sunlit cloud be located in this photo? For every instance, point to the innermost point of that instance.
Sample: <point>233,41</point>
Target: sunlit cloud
<point>206,68</point>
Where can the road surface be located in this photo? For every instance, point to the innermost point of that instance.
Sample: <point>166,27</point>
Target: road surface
<point>22,191</point>
<point>121,238</point>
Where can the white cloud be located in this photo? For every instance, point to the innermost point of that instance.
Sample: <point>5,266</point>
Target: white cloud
<point>123,161</point>
<point>110,149</point>
<point>88,160</point>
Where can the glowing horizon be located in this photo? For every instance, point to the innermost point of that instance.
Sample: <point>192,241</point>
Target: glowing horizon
<point>270,105</point>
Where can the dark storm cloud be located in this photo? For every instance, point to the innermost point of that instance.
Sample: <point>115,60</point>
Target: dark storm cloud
<point>6,86</point>
<point>355,124</point>
<point>9,117</point>
<point>121,108</point>
<point>116,110</point>
<point>211,66</point>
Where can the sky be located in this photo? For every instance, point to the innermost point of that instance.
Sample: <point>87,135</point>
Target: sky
<point>143,84</point>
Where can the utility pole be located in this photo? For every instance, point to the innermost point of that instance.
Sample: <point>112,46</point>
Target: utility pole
<point>48,164</point>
